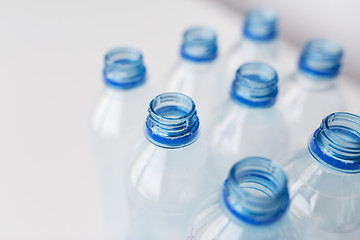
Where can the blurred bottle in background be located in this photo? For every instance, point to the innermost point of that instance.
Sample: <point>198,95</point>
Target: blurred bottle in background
<point>259,43</point>
<point>249,123</point>
<point>252,205</point>
<point>312,92</point>
<point>198,74</point>
<point>116,124</point>
<point>168,173</point>
<point>324,180</point>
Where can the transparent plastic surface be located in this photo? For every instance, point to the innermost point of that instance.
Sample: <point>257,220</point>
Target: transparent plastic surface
<point>252,205</point>
<point>324,180</point>
<point>249,123</point>
<point>168,172</point>
<point>313,92</point>
<point>116,125</point>
<point>259,43</point>
<point>198,74</point>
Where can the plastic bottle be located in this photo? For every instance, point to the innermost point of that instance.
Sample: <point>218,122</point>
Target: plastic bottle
<point>248,123</point>
<point>116,125</point>
<point>259,43</point>
<point>168,172</point>
<point>312,92</point>
<point>324,180</point>
<point>198,74</point>
<point>251,205</point>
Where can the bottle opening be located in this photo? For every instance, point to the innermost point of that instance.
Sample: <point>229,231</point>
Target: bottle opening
<point>172,121</point>
<point>199,45</point>
<point>336,143</point>
<point>321,58</point>
<point>255,85</point>
<point>260,25</point>
<point>256,191</point>
<point>124,68</point>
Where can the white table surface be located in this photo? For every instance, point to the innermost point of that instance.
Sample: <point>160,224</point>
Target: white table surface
<point>51,58</point>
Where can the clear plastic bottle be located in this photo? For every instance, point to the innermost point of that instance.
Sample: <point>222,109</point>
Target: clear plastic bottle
<point>248,123</point>
<point>116,125</point>
<point>312,92</point>
<point>259,43</point>
<point>251,205</point>
<point>168,172</point>
<point>324,180</point>
<point>198,74</point>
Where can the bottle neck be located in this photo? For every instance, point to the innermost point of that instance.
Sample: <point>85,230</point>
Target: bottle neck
<point>255,85</point>
<point>260,25</point>
<point>336,143</point>
<point>199,45</point>
<point>321,59</point>
<point>124,69</point>
<point>172,121</point>
<point>256,191</point>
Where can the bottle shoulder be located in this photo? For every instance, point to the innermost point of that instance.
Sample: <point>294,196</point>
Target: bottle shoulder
<point>171,179</point>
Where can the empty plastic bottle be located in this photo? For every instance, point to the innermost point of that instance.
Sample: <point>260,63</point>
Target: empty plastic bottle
<point>116,125</point>
<point>168,172</point>
<point>259,43</point>
<point>248,123</point>
<point>324,180</point>
<point>198,74</point>
<point>251,205</point>
<point>312,92</point>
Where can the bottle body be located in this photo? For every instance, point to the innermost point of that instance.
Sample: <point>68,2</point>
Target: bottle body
<point>164,186</point>
<point>304,101</point>
<point>324,180</point>
<point>239,131</point>
<point>252,204</point>
<point>169,172</point>
<point>198,74</point>
<point>259,44</point>
<point>116,123</point>
<point>203,82</point>
<point>312,92</point>
<point>248,123</point>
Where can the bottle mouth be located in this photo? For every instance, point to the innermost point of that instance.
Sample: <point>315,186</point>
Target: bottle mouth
<point>321,58</point>
<point>124,68</point>
<point>260,25</point>
<point>336,143</point>
<point>256,191</point>
<point>255,85</point>
<point>199,45</point>
<point>172,121</point>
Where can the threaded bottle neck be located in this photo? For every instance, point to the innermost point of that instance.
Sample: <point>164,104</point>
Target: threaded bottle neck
<point>199,45</point>
<point>336,143</point>
<point>124,68</point>
<point>321,58</point>
<point>255,85</point>
<point>256,191</point>
<point>172,121</point>
<point>260,25</point>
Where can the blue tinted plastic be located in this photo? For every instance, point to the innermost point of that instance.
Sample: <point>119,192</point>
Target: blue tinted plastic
<point>260,25</point>
<point>321,58</point>
<point>124,68</point>
<point>336,143</point>
<point>199,45</point>
<point>255,85</point>
<point>172,121</point>
<point>256,191</point>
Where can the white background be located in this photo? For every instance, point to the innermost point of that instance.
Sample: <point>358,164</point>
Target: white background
<point>51,57</point>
